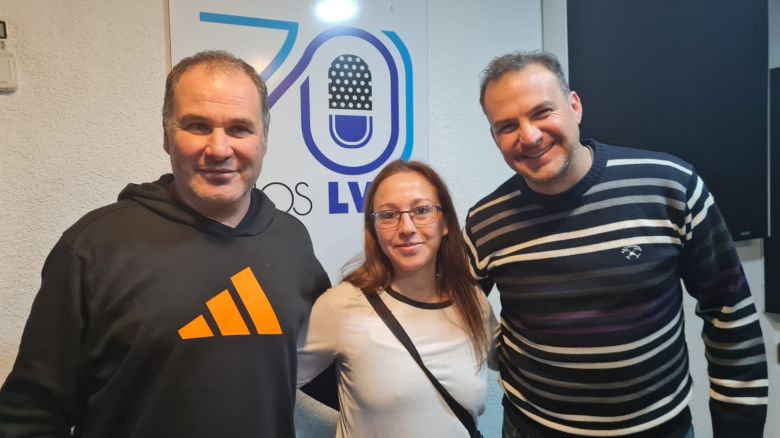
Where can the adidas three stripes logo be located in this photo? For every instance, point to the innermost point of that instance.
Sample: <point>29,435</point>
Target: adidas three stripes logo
<point>227,316</point>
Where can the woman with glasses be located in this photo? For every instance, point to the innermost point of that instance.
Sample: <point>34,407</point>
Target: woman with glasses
<point>415,264</point>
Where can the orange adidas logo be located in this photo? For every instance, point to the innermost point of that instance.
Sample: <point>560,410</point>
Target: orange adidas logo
<point>227,316</point>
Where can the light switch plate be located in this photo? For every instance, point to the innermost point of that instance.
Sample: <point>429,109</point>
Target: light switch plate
<point>8,79</point>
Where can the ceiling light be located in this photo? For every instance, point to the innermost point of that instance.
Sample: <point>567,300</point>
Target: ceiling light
<point>334,11</point>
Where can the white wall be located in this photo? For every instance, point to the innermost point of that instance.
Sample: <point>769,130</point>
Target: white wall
<point>85,121</point>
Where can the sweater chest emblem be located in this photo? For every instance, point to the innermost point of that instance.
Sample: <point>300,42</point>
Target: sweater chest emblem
<point>228,318</point>
<point>631,252</point>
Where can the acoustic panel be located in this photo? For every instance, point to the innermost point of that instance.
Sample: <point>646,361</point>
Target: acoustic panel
<point>688,78</point>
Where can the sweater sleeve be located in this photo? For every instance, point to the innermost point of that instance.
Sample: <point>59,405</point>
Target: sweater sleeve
<point>39,397</point>
<point>319,342</point>
<point>732,336</point>
<point>477,265</point>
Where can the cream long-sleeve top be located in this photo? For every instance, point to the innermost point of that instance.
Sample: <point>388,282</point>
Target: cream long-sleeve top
<point>382,390</point>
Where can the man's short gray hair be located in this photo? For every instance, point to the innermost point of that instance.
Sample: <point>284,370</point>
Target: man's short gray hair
<point>516,61</point>
<point>218,60</point>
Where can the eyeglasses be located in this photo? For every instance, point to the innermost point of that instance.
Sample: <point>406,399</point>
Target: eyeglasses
<point>420,215</point>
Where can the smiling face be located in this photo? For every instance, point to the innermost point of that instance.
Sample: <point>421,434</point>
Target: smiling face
<point>411,248</point>
<point>216,141</point>
<point>536,128</point>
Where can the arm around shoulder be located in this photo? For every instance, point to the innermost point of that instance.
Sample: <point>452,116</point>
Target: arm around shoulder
<point>492,331</point>
<point>319,341</point>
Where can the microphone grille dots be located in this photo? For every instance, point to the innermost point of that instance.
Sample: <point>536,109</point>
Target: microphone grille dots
<point>349,83</point>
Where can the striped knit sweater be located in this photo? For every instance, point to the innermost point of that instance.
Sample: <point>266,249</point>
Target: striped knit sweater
<point>592,340</point>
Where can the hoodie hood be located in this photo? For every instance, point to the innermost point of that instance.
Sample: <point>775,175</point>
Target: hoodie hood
<point>156,197</point>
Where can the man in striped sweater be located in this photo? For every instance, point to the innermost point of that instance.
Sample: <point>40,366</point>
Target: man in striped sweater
<point>588,244</point>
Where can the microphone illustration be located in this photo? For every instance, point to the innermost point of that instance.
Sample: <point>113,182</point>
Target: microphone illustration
<point>349,86</point>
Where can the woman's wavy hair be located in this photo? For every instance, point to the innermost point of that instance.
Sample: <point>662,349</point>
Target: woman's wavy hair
<point>452,271</point>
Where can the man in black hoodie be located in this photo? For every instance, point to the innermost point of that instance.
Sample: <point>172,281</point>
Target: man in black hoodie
<point>174,311</point>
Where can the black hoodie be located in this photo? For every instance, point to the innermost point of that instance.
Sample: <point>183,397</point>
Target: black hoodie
<point>155,321</point>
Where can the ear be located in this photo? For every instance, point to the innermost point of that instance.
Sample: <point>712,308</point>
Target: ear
<point>264,145</point>
<point>576,105</point>
<point>166,148</point>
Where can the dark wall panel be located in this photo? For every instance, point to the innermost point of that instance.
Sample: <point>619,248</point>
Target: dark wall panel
<point>689,78</point>
<point>772,244</point>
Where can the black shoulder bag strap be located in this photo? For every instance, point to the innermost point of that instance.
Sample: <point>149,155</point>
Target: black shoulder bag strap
<point>381,309</point>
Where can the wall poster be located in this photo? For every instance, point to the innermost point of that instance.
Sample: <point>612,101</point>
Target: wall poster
<point>345,99</point>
